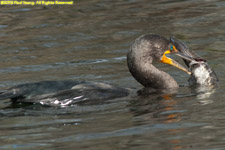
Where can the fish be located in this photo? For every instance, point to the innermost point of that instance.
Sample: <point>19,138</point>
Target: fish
<point>201,73</point>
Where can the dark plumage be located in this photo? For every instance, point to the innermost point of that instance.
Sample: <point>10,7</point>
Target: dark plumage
<point>62,93</point>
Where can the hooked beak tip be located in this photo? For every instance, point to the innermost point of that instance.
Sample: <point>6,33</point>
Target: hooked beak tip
<point>172,62</point>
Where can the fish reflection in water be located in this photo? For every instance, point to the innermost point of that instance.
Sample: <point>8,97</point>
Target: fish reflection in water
<point>145,50</point>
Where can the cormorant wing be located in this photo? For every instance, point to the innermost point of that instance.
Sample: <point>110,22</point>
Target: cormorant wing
<point>88,92</point>
<point>28,90</point>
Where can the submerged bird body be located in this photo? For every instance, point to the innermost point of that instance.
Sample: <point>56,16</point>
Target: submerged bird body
<point>84,93</point>
<point>62,93</point>
<point>29,90</point>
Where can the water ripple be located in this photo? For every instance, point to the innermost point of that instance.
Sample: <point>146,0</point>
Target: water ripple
<point>34,68</point>
<point>128,131</point>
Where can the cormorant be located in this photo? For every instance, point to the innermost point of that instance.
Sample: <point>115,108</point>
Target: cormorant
<point>145,50</point>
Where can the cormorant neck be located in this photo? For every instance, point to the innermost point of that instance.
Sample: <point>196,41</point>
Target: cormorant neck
<point>149,76</point>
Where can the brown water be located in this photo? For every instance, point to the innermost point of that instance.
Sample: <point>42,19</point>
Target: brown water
<point>88,41</point>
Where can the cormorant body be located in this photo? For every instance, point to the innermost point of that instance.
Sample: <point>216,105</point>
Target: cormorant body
<point>63,93</point>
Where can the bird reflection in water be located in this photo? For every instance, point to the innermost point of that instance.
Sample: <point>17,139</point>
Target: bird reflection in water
<point>159,109</point>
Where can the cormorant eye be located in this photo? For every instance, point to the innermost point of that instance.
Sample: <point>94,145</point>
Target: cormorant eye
<point>171,48</point>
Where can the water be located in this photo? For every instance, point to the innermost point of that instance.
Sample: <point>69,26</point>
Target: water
<point>88,41</point>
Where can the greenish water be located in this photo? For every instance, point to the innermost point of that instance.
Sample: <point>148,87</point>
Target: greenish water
<point>89,41</point>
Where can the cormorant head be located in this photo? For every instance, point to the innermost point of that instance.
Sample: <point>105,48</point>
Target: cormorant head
<point>167,60</point>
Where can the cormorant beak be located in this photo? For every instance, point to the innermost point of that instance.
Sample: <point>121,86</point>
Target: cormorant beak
<point>166,60</point>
